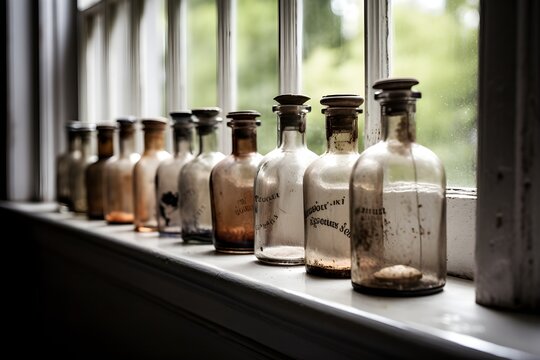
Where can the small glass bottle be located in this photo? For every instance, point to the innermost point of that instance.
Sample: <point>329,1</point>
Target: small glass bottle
<point>168,216</point>
<point>231,187</point>
<point>77,178</point>
<point>63,163</point>
<point>118,192</point>
<point>326,190</point>
<point>398,204</point>
<point>95,172</point>
<point>194,179</point>
<point>279,198</point>
<point>144,174</point>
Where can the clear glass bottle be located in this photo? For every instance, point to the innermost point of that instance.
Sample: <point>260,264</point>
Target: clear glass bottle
<point>194,179</point>
<point>231,187</point>
<point>398,204</point>
<point>95,172</point>
<point>77,178</point>
<point>279,198</point>
<point>63,163</point>
<point>118,192</point>
<point>144,174</point>
<point>326,190</point>
<point>168,216</point>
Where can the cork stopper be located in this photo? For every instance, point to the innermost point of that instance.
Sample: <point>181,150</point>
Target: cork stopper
<point>154,123</point>
<point>396,90</point>
<point>342,102</point>
<point>181,119</point>
<point>243,117</point>
<point>291,103</point>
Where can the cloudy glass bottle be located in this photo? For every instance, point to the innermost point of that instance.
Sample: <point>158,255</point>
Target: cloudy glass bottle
<point>279,199</point>
<point>398,204</point>
<point>194,179</point>
<point>144,174</point>
<point>77,178</point>
<point>231,186</point>
<point>63,163</point>
<point>118,191</point>
<point>326,190</point>
<point>168,215</point>
<point>95,172</point>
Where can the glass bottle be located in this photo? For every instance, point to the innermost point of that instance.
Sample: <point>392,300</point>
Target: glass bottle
<point>168,216</point>
<point>118,192</point>
<point>63,163</point>
<point>279,198</point>
<point>95,172</point>
<point>398,204</point>
<point>194,179</point>
<point>231,187</point>
<point>77,178</point>
<point>144,174</point>
<point>326,190</point>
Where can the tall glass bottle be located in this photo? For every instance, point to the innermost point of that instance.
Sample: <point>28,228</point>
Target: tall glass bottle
<point>398,204</point>
<point>118,191</point>
<point>168,216</point>
<point>95,172</point>
<point>279,199</point>
<point>63,163</point>
<point>194,179</point>
<point>144,174</point>
<point>231,186</point>
<point>326,190</point>
<point>77,178</point>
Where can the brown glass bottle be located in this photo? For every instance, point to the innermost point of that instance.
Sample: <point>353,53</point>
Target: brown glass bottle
<point>63,163</point>
<point>95,180</point>
<point>144,174</point>
<point>118,192</point>
<point>231,187</point>
<point>77,178</point>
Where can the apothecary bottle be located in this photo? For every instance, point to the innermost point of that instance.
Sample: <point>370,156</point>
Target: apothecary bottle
<point>326,190</point>
<point>231,186</point>
<point>168,214</point>
<point>63,163</point>
<point>118,191</point>
<point>95,172</point>
<point>279,198</point>
<point>194,179</point>
<point>398,204</point>
<point>144,174</point>
<point>77,179</point>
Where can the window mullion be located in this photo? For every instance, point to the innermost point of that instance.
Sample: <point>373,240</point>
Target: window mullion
<point>290,46</point>
<point>376,22</point>
<point>176,59</point>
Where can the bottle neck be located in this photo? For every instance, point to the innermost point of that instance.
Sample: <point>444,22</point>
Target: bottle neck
<point>244,140</point>
<point>86,145</point>
<point>208,140</point>
<point>105,146</point>
<point>342,134</point>
<point>399,123</point>
<point>73,142</point>
<point>182,142</point>
<point>291,132</point>
<point>154,140</point>
<point>127,143</point>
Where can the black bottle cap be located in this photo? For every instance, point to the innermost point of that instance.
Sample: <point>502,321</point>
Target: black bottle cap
<point>207,116</point>
<point>181,119</point>
<point>245,117</point>
<point>396,89</point>
<point>342,101</point>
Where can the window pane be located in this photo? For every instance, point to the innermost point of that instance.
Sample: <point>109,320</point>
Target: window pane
<point>257,59</point>
<point>437,43</point>
<point>152,51</point>
<point>94,69</point>
<point>333,58</point>
<point>202,53</point>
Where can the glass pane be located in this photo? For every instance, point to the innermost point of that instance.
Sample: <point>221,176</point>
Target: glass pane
<point>202,53</point>
<point>258,64</point>
<point>152,51</point>
<point>333,59</point>
<point>437,43</point>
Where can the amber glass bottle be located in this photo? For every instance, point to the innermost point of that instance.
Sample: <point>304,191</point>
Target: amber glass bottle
<point>168,215</point>
<point>144,174</point>
<point>95,172</point>
<point>118,192</point>
<point>326,190</point>
<point>231,187</point>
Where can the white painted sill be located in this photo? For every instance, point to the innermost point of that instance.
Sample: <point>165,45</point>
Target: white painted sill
<point>448,324</point>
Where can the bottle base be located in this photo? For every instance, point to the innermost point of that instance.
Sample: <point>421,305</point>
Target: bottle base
<point>396,293</point>
<point>204,237</point>
<point>280,262</point>
<point>145,229</point>
<point>237,251</point>
<point>281,255</point>
<point>329,273</point>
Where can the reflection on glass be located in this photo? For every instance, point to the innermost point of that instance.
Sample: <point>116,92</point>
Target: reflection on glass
<point>447,74</point>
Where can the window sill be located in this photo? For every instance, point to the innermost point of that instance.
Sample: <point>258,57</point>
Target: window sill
<point>280,311</point>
